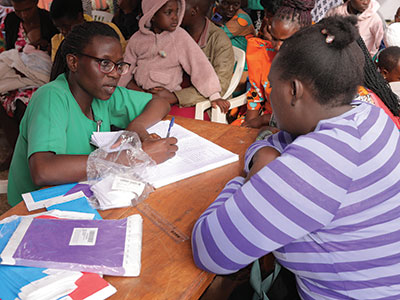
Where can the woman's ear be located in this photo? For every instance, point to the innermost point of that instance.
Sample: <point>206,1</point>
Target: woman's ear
<point>297,91</point>
<point>72,62</point>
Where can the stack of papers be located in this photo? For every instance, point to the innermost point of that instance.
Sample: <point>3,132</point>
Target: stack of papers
<point>111,247</point>
<point>42,283</point>
<point>194,156</point>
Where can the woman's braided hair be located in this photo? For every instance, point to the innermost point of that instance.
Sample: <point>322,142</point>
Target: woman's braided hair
<point>296,10</point>
<point>76,41</point>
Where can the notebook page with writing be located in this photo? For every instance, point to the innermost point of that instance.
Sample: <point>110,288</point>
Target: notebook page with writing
<point>194,156</point>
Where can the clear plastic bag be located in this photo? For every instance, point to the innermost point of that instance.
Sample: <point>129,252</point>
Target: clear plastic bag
<point>116,171</point>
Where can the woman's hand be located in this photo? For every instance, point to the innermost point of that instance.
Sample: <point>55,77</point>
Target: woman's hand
<point>256,122</point>
<point>160,149</point>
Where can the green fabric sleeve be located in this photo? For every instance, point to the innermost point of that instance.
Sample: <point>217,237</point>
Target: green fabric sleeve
<point>125,105</point>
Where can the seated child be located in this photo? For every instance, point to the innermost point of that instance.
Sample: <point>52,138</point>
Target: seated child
<point>161,50</point>
<point>369,22</point>
<point>389,66</point>
<point>290,17</point>
<point>389,63</point>
<point>65,14</point>
<point>215,45</point>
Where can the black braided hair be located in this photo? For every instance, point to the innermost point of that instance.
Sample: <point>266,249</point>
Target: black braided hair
<point>296,10</point>
<point>326,57</point>
<point>374,81</point>
<point>389,58</point>
<point>76,41</point>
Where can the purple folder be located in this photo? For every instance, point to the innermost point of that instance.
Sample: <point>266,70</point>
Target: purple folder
<point>111,247</point>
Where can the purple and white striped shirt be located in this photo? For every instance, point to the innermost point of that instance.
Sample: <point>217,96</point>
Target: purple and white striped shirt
<point>328,208</point>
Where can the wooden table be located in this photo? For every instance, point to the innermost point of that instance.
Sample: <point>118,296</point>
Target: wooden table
<point>168,270</point>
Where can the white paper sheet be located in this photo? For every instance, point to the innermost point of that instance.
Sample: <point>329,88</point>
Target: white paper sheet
<point>195,155</point>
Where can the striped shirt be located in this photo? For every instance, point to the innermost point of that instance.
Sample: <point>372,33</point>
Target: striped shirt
<point>328,208</point>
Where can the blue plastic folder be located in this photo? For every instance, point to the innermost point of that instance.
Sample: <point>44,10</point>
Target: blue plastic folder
<point>13,278</point>
<point>79,205</point>
<point>37,199</point>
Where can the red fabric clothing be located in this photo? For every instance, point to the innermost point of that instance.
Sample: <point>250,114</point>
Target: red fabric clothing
<point>186,112</point>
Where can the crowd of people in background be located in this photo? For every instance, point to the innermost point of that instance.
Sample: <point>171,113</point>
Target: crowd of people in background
<point>253,26</point>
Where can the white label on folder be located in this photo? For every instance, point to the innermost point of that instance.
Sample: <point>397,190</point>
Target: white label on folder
<point>128,185</point>
<point>83,237</point>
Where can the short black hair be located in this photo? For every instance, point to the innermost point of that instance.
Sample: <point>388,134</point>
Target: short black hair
<point>374,81</point>
<point>271,6</point>
<point>66,8</point>
<point>76,41</point>
<point>204,5</point>
<point>389,58</point>
<point>327,57</point>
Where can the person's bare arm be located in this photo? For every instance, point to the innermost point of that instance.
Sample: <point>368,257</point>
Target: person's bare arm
<point>263,157</point>
<point>48,168</point>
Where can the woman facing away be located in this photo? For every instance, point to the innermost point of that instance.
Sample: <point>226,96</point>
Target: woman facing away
<point>323,193</point>
<point>58,123</point>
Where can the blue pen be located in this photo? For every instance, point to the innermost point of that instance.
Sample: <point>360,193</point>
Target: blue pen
<point>170,126</point>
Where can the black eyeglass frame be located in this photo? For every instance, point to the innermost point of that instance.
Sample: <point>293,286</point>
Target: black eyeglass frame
<point>101,60</point>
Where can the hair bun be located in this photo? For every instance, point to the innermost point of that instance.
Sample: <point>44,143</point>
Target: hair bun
<point>304,5</point>
<point>339,31</point>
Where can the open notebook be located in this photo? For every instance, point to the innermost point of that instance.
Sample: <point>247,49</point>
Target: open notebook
<point>195,155</point>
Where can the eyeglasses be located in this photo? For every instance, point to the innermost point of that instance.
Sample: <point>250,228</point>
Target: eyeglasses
<point>106,66</point>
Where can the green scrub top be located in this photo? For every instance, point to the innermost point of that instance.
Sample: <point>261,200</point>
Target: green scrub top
<point>55,122</point>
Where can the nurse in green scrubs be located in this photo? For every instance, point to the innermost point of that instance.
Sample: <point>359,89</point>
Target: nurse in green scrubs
<point>53,145</point>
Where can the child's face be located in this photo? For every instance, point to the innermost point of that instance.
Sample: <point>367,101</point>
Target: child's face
<point>360,5</point>
<point>166,18</point>
<point>65,24</point>
<point>228,8</point>
<point>394,75</point>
